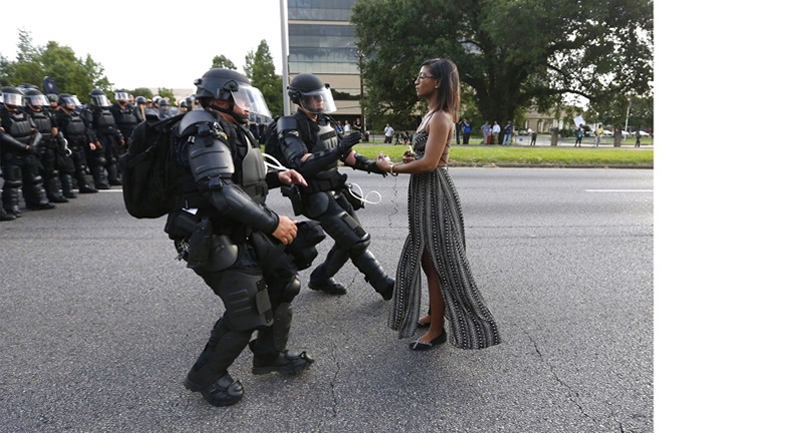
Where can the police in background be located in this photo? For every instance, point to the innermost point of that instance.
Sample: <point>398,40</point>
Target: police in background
<point>106,136</point>
<point>74,129</point>
<point>141,106</point>
<point>20,139</point>
<point>37,107</point>
<point>233,240</point>
<point>163,109</point>
<point>124,116</point>
<point>310,144</point>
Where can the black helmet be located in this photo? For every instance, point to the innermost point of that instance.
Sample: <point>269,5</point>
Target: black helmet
<point>35,98</point>
<point>121,96</point>
<point>141,100</point>
<point>12,96</point>
<point>99,98</point>
<point>307,88</point>
<point>229,85</point>
<point>163,102</point>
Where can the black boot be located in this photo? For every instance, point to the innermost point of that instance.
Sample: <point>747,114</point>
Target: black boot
<point>83,186</point>
<point>113,174</point>
<point>66,185</point>
<point>38,196</point>
<point>53,189</point>
<point>374,274</point>
<point>223,392</point>
<point>269,347</point>
<point>322,277</point>
<point>99,177</point>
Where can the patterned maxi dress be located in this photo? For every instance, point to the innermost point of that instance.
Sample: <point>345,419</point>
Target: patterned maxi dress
<point>436,223</point>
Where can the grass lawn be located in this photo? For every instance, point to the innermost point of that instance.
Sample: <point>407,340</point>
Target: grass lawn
<point>524,156</point>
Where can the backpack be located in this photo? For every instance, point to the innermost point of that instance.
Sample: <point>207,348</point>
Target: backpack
<point>149,171</point>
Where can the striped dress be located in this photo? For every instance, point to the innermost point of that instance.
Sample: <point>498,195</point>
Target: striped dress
<point>436,223</point>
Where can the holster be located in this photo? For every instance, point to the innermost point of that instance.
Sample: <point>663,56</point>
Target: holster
<point>352,198</point>
<point>200,244</point>
<point>293,192</point>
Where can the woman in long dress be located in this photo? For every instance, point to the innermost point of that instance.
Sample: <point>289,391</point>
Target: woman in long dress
<point>435,242</point>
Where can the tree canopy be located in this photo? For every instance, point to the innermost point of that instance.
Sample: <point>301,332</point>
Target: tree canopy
<point>260,69</point>
<point>71,74</point>
<point>510,54</point>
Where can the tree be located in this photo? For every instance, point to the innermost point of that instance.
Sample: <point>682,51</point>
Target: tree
<point>512,54</point>
<point>220,61</point>
<point>260,69</point>
<point>143,91</point>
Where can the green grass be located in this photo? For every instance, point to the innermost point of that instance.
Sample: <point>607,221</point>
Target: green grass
<point>542,156</point>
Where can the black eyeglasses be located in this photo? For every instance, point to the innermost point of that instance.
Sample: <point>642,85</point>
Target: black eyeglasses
<point>422,77</point>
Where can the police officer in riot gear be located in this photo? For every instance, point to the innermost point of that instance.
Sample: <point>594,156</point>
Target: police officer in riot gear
<point>50,147</point>
<point>106,136</point>
<point>251,256</point>
<point>310,144</point>
<point>20,140</point>
<point>124,116</point>
<point>74,129</point>
<point>141,106</point>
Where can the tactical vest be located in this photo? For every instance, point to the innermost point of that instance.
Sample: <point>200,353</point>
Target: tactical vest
<point>251,173</point>
<point>18,125</point>
<point>328,138</point>
<point>75,130</point>
<point>103,119</point>
<point>43,124</point>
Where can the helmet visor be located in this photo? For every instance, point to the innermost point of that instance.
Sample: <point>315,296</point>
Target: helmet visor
<point>38,101</point>
<point>13,99</point>
<point>250,99</point>
<point>318,101</point>
<point>70,100</point>
<point>121,96</point>
<point>101,100</point>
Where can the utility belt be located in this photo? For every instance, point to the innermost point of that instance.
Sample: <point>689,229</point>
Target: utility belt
<point>336,182</point>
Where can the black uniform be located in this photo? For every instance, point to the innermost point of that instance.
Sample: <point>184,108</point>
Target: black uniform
<point>125,117</point>
<point>104,129</point>
<point>252,272</point>
<point>20,162</point>
<point>50,150</point>
<point>74,129</point>
<point>326,198</point>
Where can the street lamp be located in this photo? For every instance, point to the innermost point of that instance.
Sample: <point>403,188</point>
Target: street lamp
<point>628,114</point>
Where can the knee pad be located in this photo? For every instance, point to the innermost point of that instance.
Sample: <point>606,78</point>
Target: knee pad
<point>345,230</point>
<point>247,304</point>
<point>284,293</point>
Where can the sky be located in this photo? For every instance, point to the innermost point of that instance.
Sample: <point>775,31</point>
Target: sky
<point>152,43</point>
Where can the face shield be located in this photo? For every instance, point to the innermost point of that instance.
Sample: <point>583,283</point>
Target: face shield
<point>38,101</point>
<point>318,101</point>
<point>249,98</point>
<point>12,99</point>
<point>101,100</point>
<point>121,96</point>
<point>70,100</point>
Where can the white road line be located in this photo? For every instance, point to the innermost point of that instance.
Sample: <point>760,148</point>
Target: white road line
<point>619,190</point>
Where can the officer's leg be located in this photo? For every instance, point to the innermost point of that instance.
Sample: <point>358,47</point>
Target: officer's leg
<point>79,160</point>
<point>239,290</point>
<point>374,273</point>
<point>4,216</point>
<point>112,156</point>
<point>322,277</point>
<point>52,184</point>
<point>11,189</point>
<point>97,162</point>
<point>269,347</point>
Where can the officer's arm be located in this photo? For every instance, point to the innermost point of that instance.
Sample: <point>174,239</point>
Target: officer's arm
<point>212,167</point>
<point>361,162</point>
<point>7,140</point>
<point>296,154</point>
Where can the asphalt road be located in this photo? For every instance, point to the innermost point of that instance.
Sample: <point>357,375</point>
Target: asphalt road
<point>99,325</point>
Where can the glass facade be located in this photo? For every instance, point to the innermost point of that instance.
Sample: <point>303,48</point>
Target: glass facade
<point>320,10</point>
<point>322,42</point>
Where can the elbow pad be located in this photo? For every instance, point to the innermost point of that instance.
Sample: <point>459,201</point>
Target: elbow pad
<point>7,139</point>
<point>234,203</point>
<point>319,161</point>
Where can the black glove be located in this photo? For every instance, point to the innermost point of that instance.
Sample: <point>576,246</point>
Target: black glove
<point>346,144</point>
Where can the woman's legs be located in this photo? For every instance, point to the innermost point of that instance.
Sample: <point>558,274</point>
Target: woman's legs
<point>436,316</point>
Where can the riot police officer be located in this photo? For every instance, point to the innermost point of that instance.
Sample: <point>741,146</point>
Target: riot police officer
<point>124,116</point>
<point>20,162</point>
<point>74,129</point>
<point>50,147</point>
<point>106,136</point>
<point>141,106</point>
<point>310,144</point>
<point>249,259</point>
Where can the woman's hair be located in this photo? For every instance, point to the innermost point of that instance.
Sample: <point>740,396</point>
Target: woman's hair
<point>449,96</point>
